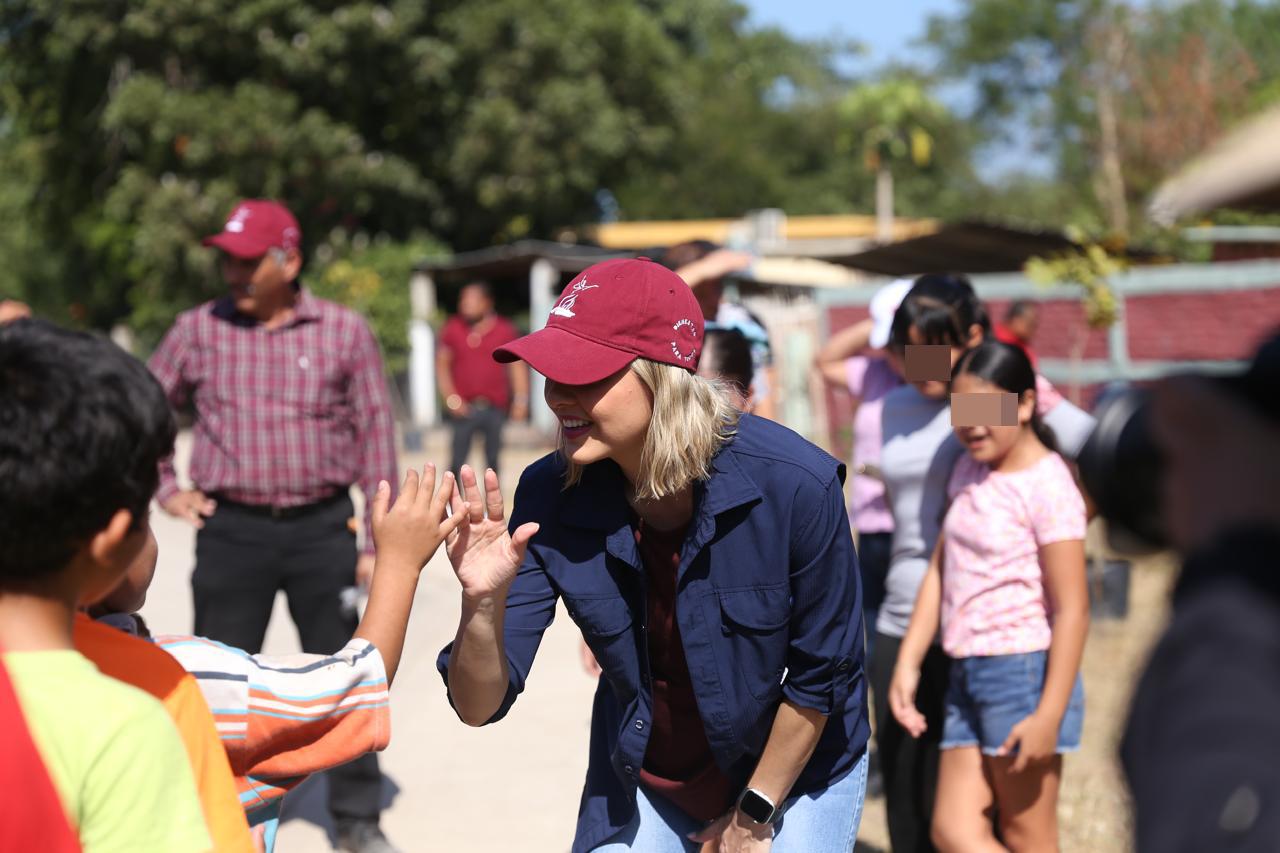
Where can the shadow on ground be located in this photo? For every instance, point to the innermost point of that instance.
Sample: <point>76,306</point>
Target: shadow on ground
<point>309,802</point>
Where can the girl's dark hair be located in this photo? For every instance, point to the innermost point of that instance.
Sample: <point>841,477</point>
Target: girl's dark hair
<point>726,353</point>
<point>1007,367</point>
<point>943,308</point>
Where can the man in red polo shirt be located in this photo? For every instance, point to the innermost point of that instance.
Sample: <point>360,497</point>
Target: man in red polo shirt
<point>478,391</point>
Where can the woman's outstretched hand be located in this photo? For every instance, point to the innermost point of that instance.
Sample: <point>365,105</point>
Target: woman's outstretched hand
<point>485,557</point>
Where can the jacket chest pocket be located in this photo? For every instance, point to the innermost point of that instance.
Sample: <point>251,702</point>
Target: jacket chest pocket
<point>606,625</point>
<point>754,623</point>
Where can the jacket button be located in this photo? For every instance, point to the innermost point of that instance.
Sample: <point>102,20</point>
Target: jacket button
<point>1241,811</point>
<point>639,725</point>
<point>628,769</point>
<point>844,665</point>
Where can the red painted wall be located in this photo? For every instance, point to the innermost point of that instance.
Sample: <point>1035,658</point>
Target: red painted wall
<point>1245,251</point>
<point>1226,325</point>
<point>1215,326</point>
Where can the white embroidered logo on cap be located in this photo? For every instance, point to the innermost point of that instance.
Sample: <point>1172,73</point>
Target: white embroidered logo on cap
<point>236,223</point>
<point>691,332</point>
<point>565,306</point>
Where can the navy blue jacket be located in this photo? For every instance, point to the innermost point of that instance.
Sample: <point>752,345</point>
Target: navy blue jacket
<point>768,603</point>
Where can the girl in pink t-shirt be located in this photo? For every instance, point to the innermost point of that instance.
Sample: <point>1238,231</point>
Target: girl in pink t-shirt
<point>1006,589</point>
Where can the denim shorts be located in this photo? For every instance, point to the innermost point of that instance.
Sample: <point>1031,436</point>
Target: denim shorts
<point>988,696</point>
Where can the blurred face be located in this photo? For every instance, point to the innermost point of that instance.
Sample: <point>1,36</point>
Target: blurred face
<point>1025,325</point>
<point>937,389</point>
<point>608,419</point>
<point>990,444</point>
<point>473,304</point>
<point>259,286</point>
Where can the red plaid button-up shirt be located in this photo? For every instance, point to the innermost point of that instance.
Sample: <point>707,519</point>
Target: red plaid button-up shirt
<point>284,417</point>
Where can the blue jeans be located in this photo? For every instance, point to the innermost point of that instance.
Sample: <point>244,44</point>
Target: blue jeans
<point>823,822</point>
<point>988,696</point>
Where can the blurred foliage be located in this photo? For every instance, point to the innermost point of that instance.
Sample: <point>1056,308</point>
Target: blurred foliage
<point>752,123</point>
<point>1181,75</point>
<point>128,128</point>
<point>895,123</point>
<point>372,278</point>
<point>139,122</point>
<point>1090,268</point>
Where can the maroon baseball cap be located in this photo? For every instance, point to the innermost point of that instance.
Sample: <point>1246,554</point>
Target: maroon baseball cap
<point>255,226</point>
<point>611,314</point>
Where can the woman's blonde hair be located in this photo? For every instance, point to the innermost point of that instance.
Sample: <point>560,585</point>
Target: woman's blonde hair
<point>692,418</point>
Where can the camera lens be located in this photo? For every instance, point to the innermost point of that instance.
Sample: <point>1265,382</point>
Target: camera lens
<point>1121,468</point>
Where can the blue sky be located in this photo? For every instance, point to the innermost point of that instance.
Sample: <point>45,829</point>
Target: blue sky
<point>886,28</point>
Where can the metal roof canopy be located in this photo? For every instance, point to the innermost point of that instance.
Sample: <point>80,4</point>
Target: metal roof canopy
<point>968,247</point>
<point>514,260</point>
<point>771,231</point>
<point>1241,171</point>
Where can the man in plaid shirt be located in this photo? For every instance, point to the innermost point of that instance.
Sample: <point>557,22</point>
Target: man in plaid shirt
<point>291,409</point>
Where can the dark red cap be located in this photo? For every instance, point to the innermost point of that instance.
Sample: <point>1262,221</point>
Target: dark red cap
<point>254,227</point>
<point>610,315</point>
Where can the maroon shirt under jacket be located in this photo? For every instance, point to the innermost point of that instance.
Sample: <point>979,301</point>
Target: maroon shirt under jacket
<point>677,763</point>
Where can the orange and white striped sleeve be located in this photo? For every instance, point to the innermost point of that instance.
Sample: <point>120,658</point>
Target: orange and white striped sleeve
<point>284,717</point>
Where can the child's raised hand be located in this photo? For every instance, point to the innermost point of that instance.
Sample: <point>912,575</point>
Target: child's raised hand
<point>902,700</point>
<point>409,531</point>
<point>1036,739</point>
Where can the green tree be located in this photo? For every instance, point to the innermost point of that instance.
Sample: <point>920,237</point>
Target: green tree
<point>1117,94</point>
<point>142,120</point>
<point>371,277</point>
<point>895,126</point>
<point>753,126</point>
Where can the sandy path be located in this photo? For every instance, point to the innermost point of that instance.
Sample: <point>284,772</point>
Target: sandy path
<point>515,786</point>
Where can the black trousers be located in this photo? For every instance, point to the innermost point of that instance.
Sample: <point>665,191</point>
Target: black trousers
<point>909,766</point>
<point>875,551</point>
<point>483,418</point>
<point>242,559</point>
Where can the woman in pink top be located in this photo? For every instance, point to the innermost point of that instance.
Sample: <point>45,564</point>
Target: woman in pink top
<point>1006,587</point>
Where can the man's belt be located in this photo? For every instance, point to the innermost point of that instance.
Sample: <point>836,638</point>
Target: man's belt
<point>270,511</point>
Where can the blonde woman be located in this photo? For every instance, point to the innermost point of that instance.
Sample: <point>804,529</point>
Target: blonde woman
<point>707,558</point>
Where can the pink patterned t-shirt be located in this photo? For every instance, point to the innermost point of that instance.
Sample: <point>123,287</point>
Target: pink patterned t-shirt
<point>993,596</point>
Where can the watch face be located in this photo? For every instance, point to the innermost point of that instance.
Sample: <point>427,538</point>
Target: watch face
<point>756,807</point>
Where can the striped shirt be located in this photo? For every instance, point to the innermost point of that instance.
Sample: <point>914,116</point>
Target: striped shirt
<point>284,717</point>
<point>284,417</point>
